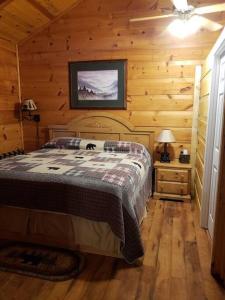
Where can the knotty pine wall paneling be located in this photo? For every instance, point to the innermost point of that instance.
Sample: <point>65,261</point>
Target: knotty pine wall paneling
<point>10,126</point>
<point>160,68</point>
<point>202,124</point>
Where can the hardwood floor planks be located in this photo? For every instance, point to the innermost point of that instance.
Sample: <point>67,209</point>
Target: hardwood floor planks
<point>212,288</point>
<point>193,272</point>
<point>176,266</point>
<point>29,289</point>
<point>178,279</point>
<point>162,289</point>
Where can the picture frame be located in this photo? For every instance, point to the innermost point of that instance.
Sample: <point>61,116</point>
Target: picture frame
<point>99,84</point>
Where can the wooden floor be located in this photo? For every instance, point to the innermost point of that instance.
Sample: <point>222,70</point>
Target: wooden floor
<point>176,266</point>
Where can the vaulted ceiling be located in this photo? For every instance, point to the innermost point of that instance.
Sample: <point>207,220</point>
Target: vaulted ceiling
<point>21,18</point>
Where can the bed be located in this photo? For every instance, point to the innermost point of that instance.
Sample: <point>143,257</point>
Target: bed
<point>86,189</point>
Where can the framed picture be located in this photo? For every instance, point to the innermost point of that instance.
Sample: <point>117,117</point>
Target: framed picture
<point>98,84</point>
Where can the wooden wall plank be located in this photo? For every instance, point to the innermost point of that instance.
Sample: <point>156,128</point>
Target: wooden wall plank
<point>202,124</point>
<point>200,167</point>
<point>198,186</point>
<point>134,103</point>
<point>201,148</point>
<point>160,73</point>
<point>198,201</point>
<point>10,128</point>
<point>203,108</point>
<point>205,84</point>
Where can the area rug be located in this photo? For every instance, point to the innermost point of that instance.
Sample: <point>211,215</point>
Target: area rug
<point>40,261</point>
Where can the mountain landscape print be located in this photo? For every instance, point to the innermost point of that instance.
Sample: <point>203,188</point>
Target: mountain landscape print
<point>97,85</point>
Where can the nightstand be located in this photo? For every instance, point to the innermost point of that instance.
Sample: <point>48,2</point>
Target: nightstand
<point>172,181</point>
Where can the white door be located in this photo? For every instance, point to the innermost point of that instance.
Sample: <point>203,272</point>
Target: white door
<point>217,146</point>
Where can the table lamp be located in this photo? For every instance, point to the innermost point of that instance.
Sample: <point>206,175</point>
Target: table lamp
<point>166,136</point>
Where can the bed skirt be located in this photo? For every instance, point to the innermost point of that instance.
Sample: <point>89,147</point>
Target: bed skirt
<point>59,230</point>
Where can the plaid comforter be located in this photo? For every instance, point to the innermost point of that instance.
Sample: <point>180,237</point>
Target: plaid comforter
<point>97,185</point>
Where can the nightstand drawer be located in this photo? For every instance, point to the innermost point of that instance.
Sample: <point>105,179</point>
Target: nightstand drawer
<point>172,187</point>
<point>172,175</point>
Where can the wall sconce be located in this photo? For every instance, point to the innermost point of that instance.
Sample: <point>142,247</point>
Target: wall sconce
<point>28,106</point>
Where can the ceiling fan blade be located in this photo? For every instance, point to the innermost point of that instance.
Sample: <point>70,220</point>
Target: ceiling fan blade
<point>210,9</point>
<point>180,4</point>
<point>208,24</point>
<point>151,18</point>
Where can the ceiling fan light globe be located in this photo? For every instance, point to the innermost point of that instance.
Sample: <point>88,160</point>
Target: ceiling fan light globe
<point>184,28</point>
<point>180,4</point>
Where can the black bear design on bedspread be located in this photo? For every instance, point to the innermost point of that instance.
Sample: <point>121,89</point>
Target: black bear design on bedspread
<point>90,146</point>
<point>137,164</point>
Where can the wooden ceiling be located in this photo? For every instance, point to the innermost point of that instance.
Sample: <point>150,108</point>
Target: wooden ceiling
<point>19,19</point>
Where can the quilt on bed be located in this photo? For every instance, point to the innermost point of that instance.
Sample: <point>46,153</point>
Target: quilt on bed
<point>97,185</point>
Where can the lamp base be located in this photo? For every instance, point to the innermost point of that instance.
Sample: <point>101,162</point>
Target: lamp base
<point>165,157</point>
<point>36,118</point>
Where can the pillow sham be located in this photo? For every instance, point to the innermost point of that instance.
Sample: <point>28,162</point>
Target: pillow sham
<point>63,143</point>
<point>86,144</point>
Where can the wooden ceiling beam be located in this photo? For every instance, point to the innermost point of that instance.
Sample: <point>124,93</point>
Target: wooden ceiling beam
<point>3,3</point>
<point>42,9</point>
<point>55,19</point>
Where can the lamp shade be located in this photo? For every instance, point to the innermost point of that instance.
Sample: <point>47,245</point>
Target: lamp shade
<point>166,136</point>
<point>29,105</point>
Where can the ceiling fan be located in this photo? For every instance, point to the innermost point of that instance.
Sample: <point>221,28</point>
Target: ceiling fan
<point>188,19</point>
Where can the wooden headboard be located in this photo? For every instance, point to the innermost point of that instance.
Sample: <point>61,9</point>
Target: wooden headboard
<point>103,126</point>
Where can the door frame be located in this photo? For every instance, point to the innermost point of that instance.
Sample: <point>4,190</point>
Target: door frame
<point>214,64</point>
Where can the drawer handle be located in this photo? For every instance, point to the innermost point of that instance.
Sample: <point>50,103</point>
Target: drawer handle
<point>161,176</point>
<point>181,191</point>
